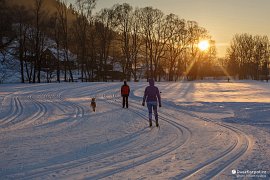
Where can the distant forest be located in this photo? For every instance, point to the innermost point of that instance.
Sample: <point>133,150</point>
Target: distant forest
<point>62,39</point>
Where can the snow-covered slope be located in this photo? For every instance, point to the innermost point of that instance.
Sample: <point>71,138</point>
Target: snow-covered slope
<point>9,68</point>
<point>208,129</point>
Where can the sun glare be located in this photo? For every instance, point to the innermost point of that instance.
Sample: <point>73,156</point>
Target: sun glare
<point>203,45</point>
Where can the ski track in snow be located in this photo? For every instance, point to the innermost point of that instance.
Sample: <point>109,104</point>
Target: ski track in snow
<point>48,131</point>
<point>219,163</point>
<point>161,151</point>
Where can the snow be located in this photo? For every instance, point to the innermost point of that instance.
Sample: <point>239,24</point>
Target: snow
<point>208,129</point>
<point>10,64</point>
<point>9,71</point>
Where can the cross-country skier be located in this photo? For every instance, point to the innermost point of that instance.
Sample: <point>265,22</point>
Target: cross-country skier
<point>151,95</point>
<point>125,93</point>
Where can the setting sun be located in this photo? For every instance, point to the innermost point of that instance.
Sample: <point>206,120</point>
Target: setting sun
<point>203,45</point>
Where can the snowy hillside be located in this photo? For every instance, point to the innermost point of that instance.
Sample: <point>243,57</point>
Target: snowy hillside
<point>207,129</point>
<point>9,68</point>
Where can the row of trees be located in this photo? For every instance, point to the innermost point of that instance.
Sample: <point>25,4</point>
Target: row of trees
<point>248,57</point>
<point>139,40</point>
<point>144,42</point>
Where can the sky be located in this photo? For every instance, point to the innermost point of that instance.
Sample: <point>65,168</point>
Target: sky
<point>222,18</point>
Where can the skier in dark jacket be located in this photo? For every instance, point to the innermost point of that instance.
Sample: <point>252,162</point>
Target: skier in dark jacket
<point>151,96</point>
<point>125,90</point>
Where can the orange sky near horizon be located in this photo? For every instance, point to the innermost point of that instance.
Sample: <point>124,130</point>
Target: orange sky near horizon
<point>222,18</point>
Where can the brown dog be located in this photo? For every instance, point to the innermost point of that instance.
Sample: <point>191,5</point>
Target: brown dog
<point>93,104</point>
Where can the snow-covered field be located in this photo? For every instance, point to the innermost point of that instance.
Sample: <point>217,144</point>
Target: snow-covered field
<point>207,129</point>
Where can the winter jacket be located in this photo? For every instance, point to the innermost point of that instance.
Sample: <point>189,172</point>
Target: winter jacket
<point>151,93</point>
<point>125,90</point>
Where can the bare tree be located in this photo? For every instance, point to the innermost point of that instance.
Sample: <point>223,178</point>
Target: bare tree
<point>207,60</point>
<point>249,56</point>
<point>176,44</point>
<point>124,27</point>
<point>62,16</point>
<point>261,57</point>
<point>39,38</point>
<point>136,43</point>
<point>55,26</point>
<point>84,19</point>
<point>150,18</point>
<point>23,20</point>
<point>238,53</point>
<point>196,33</point>
<point>105,26</point>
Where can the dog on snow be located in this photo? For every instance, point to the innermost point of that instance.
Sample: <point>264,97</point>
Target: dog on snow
<point>93,104</point>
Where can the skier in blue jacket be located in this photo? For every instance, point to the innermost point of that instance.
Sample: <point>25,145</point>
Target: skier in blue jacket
<point>151,96</point>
